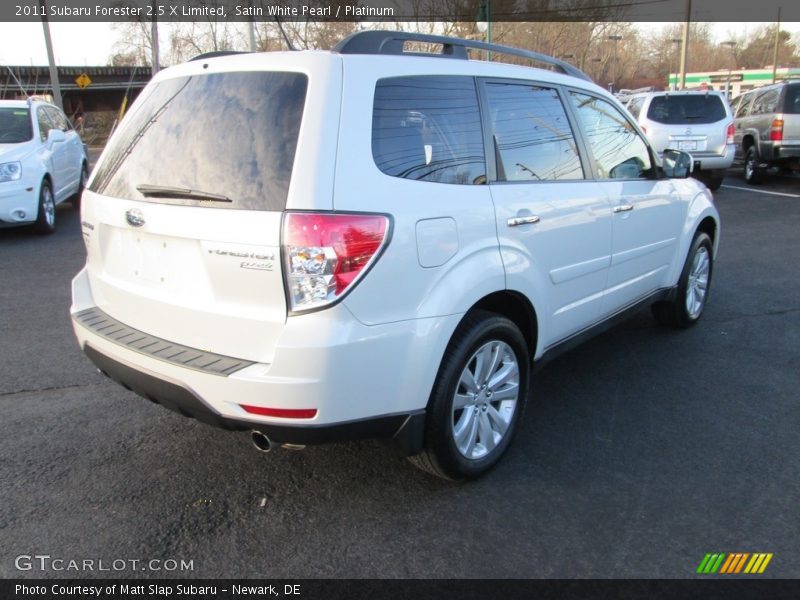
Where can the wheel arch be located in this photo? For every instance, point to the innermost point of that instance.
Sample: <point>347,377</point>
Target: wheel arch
<point>515,307</point>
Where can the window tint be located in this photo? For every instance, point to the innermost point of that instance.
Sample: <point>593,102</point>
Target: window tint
<point>227,134</point>
<point>428,128</point>
<point>791,103</point>
<point>618,149</point>
<point>765,102</point>
<point>532,136</point>
<point>45,125</point>
<point>15,125</point>
<point>686,110</point>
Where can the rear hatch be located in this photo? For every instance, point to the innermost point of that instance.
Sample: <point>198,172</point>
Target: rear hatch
<point>183,214</point>
<point>696,123</point>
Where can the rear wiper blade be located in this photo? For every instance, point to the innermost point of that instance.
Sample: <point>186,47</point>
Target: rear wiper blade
<point>163,191</point>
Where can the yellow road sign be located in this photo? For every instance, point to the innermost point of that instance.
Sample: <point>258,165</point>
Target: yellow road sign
<point>83,80</point>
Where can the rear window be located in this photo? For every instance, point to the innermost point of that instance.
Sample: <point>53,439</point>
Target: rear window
<point>686,110</point>
<point>223,140</point>
<point>791,104</point>
<point>15,125</point>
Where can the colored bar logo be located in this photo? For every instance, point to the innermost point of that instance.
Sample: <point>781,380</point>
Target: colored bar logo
<point>734,563</point>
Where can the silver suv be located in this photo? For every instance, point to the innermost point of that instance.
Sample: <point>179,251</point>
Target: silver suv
<point>700,123</point>
<point>768,129</point>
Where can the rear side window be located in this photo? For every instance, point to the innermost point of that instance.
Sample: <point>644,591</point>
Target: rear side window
<point>791,103</point>
<point>686,110</point>
<point>532,136</point>
<point>744,104</point>
<point>223,140</point>
<point>765,102</point>
<point>428,128</point>
<point>635,106</point>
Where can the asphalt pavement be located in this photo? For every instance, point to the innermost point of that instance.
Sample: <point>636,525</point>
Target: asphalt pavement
<point>640,452</point>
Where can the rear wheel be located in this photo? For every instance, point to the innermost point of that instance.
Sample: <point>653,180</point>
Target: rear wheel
<point>693,287</point>
<point>752,173</point>
<point>46,217</point>
<point>477,399</point>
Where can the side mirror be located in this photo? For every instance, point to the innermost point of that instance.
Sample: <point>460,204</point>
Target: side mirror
<point>56,136</point>
<point>677,164</point>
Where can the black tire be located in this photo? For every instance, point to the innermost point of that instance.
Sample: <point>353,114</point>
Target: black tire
<point>711,179</point>
<point>676,312</point>
<point>46,211</point>
<point>76,199</point>
<point>504,343</point>
<point>753,174</point>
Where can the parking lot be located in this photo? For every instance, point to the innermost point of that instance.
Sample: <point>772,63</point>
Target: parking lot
<point>640,452</point>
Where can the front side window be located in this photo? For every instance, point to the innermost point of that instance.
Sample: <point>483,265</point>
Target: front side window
<point>45,125</point>
<point>428,128</point>
<point>223,140</point>
<point>15,125</point>
<point>619,151</point>
<point>57,118</point>
<point>531,133</point>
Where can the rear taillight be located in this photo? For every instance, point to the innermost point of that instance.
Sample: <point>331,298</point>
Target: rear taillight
<point>326,253</point>
<point>730,134</point>
<point>776,131</point>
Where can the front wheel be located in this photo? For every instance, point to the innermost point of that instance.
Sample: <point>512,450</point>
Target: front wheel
<point>477,399</point>
<point>693,287</point>
<point>76,199</point>
<point>46,217</point>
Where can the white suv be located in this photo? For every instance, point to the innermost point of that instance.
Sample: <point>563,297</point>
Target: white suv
<point>367,243</point>
<point>42,163</point>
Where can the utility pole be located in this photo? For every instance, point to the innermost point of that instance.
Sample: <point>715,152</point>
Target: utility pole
<point>685,44</point>
<point>51,57</point>
<point>615,39</point>
<point>777,41</point>
<point>251,29</point>
<point>154,67</point>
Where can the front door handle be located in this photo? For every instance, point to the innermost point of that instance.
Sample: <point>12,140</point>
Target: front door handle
<point>623,208</point>
<point>529,220</point>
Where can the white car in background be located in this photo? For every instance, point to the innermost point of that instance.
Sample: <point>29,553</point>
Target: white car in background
<point>43,162</point>
<point>700,123</point>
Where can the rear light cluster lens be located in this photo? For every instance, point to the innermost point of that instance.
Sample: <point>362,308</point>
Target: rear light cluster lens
<point>776,131</point>
<point>730,134</point>
<point>284,413</point>
<point>325,253</point>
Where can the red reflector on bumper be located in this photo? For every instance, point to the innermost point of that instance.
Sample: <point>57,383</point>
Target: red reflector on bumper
<point>285,413</point>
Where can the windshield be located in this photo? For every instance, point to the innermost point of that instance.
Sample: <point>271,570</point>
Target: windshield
<point>196,140</point>
<point>15,125</point>
<point>686,109</point>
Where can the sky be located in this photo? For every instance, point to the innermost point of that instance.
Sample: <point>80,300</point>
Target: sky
<point>90,44</point>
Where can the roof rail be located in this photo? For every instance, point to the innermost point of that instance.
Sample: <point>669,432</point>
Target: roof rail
<point>206,55</point>
<point>392,42</point>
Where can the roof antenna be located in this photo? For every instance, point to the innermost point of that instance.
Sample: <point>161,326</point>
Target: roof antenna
<point>27,95</point>
<point>285,37</point>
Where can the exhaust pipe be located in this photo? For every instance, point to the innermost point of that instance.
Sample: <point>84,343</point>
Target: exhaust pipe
<point>262,442</point>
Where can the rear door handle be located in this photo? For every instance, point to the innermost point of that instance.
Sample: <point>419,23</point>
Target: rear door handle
<point>515,221</point>
<point>623,208</point>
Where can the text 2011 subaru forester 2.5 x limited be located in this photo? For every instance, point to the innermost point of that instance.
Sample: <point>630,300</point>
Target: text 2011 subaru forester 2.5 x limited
<point>369,243</point>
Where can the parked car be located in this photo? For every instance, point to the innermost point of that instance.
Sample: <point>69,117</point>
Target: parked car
<point>43,162</point>
<point>369,243</point>
<point>767,122</point>
<point>700,123</point>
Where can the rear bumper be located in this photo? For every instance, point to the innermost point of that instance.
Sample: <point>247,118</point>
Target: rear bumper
<point>782,152</point>
<point>710,161</point>
<point>362,381</point>
<point>405,431</point>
